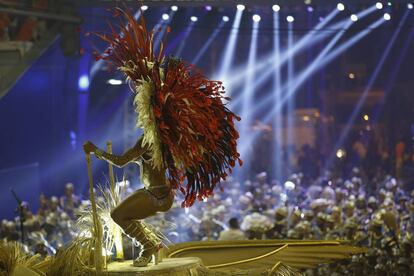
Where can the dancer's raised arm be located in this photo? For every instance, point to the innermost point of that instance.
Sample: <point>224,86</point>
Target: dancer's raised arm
<point>131,155</point>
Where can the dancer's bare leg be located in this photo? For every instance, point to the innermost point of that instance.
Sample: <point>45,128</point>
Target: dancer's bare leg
<point>140,205</point>
<point>157,197</point>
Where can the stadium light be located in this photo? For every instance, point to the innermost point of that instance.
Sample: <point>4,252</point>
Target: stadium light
<point>379,5</point>
<point>276,8</point>
<point>354,17</point>
<point>340,6</point>
<point>165,17</point>
<point>241,7</point>
<point>83,83</point>
<point>256,18</point>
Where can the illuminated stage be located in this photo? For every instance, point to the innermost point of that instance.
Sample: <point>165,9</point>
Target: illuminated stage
<point>170,266</point>
<point>251,257</point>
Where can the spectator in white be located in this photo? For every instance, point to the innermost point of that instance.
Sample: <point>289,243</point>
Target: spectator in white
<point>233,233</point>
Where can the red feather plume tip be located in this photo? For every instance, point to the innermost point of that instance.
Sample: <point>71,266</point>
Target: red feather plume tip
<point>130,43</point>
<point>196,130</point>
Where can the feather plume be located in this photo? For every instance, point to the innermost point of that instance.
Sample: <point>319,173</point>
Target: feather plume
<point>189,131</point>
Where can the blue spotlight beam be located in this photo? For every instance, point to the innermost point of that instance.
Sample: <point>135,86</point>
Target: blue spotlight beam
<point>307,73</point>
<point>184,40</point>
<point>294,84</point>
<point>231,45</point>
<point>290,53</point>
<point>208,43</point>
<point>277,123</point>
<point>290,136</point>
<point>368,87</point>
<point>394,74</point>
<point>248,91</point>
<point>308,40</point>
<point>324,61</point>
<point>273,62</point>
<point>319,61</point>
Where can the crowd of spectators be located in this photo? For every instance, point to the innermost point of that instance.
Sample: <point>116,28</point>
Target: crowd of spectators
<point>52,226</point>
<point>376,213</point>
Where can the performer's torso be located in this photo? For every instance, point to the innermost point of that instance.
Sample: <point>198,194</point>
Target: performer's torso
<point>149,175</point>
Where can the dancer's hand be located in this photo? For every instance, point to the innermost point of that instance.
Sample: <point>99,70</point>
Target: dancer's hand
<point>89,147</point>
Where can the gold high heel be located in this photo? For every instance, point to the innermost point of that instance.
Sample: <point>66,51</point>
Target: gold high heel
<point>149,241</point>
<point>145,260</point>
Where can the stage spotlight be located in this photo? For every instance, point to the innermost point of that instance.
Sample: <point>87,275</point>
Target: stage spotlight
<point>114,82</point>
<point>174,8</point>
<point>208,8</point>
<point>310,9</point>
<point>83,83</point>
<point>387,16</point>
<point>290,19</point>
<point>379,5</point>
<point>247,100</point>
<point>194,18</point>
<point>144,8</point>
<point>351,76</point>
<point>165,17</point>
<point>226,18</point>
<point>410,6</point>
<point>256,18</point>
<point>241,7</point>
<point>354,17</point>
<point>340,153</point>
<point>276,8</point>
<point>340,7</point>
<point>366,117</point>
<point>229,50</point>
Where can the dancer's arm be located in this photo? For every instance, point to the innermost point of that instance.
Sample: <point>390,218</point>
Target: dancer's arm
<point>129,156</point>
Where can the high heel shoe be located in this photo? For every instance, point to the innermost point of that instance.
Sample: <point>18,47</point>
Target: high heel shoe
<point>147,239</point>
<point>151,254</point>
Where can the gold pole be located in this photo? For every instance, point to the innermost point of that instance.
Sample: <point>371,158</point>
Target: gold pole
<point>111,168</point>
<point>97,227</point>
<point>117,231</point>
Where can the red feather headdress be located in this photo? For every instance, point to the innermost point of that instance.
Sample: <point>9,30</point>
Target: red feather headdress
<point>189,130</point>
